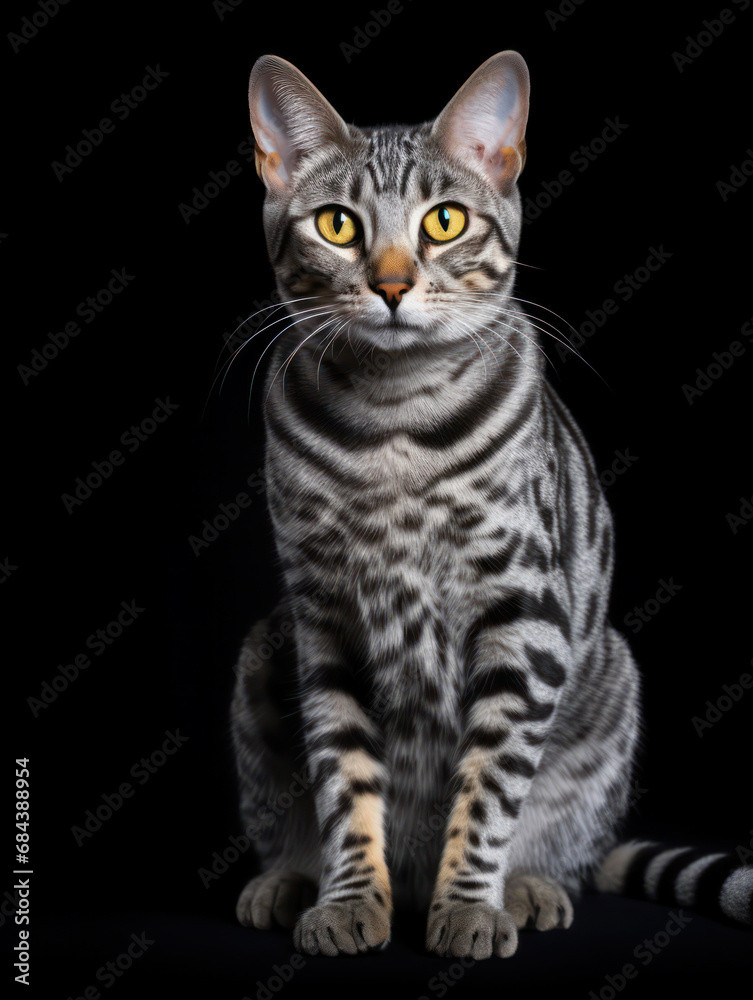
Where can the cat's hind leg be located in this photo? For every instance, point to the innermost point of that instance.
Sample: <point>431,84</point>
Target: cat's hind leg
<point>276,801</point>
<point>536,902</point>
<point>581,793</point>
<point>275,897</point>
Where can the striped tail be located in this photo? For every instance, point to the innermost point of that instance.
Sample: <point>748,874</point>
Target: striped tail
<point>714,885</point>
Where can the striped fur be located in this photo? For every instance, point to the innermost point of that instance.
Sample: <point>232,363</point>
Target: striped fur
<point>465,714</point>
<point>716,885</point>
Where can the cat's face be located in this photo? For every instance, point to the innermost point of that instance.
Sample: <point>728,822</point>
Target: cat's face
<point>393,236</point>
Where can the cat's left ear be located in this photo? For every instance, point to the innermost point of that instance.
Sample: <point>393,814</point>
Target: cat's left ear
<point>289,119</point>
<point>485,121</point>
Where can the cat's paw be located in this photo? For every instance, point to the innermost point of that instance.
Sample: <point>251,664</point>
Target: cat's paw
<point>276,897</point>
<point>342,927</point>
<point>471,930</point>
<point>537,903</point>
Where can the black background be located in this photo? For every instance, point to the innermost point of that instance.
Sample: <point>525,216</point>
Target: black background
<point>655,186</point>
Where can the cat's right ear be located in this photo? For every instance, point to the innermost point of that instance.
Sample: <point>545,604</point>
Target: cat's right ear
<point>289,119</point>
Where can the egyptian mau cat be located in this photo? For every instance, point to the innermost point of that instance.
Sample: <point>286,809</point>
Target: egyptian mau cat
<point>441,655</point>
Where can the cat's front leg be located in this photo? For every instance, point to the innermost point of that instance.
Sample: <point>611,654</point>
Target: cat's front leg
<point>354,905</point>
<point>510,699</point>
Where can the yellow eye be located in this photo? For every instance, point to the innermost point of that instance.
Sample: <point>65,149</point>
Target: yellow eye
<point>444,222</point>
<point>336,225</point>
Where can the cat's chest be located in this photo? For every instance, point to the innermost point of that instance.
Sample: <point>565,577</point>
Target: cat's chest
<point>398,469</point>
<point>425,539</point>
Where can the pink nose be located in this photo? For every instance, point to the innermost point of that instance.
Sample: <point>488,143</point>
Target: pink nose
<point>392,292</point>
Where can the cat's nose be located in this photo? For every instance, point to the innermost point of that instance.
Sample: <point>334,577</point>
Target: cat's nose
<point>392,292</point>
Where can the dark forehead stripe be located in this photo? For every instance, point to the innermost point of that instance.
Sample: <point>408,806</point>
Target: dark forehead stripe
<point>391,158</point>
<point>388,159</point>
<point>426,187</point>
<point>407,171</point>
<point>370,166</point>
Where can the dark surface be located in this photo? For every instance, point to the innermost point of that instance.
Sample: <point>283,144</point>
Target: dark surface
<point>172,669</point>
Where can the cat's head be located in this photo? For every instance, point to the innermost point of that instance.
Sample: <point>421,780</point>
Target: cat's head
<point>395,235</point>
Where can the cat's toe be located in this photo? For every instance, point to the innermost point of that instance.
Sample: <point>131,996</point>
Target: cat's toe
<point>471,930</point>
<point>276,897</point>
<point>538,903</point>
<point>350,927</point>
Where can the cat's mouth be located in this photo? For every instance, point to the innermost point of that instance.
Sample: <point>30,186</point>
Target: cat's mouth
<point>394,332</point>
<point>394,320</point>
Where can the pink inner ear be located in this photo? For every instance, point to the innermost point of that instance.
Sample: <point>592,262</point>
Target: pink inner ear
<point>289,117</point>
<point>510,163</point>
<point>486,119</point>
<point>271,134</point>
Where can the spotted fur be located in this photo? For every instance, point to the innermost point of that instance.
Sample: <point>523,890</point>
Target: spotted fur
<point>466,716</point>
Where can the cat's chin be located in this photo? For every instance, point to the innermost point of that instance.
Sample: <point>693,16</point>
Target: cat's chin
<point>400,336</point>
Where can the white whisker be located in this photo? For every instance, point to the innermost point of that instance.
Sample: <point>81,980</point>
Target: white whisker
<point>472,335</point>
<point>287,361</point>
<point>324,350</point>
<point>229,361</point>
<point>275,305</point>
<point>523,334</point>
<point>565,342</point>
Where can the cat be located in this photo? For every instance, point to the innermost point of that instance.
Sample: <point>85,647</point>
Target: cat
<point>438,714</point>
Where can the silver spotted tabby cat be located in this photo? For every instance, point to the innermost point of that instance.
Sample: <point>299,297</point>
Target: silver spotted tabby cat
<point>448,720</point>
